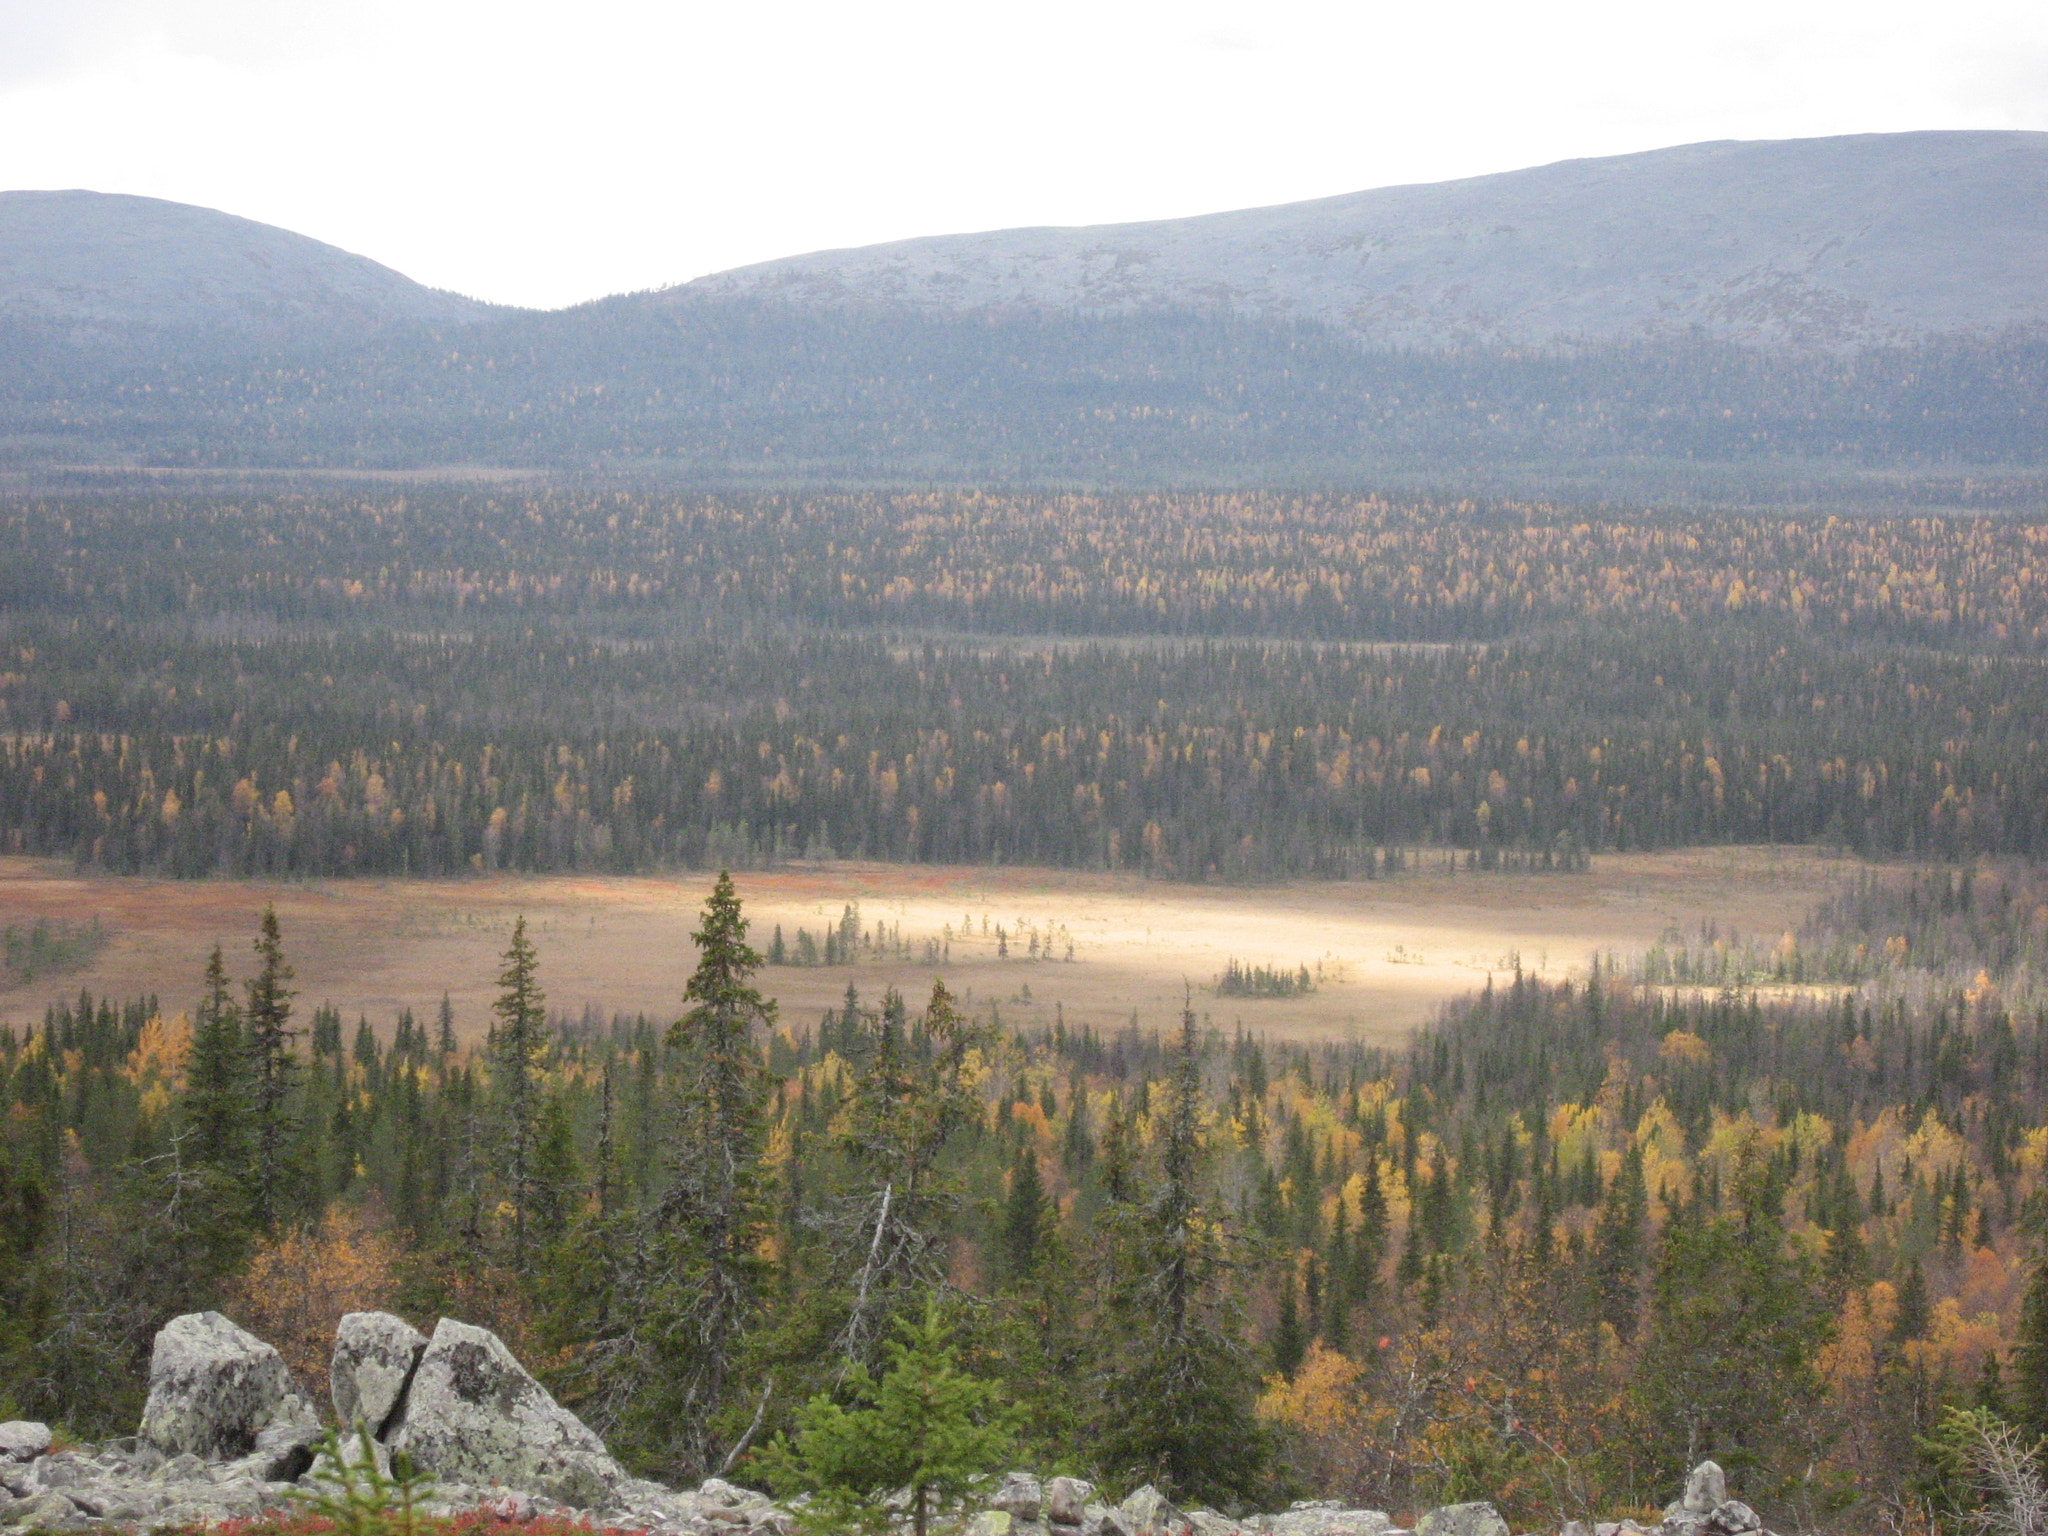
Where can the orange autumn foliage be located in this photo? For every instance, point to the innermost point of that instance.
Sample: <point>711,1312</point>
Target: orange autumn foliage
<point>296,1287</point>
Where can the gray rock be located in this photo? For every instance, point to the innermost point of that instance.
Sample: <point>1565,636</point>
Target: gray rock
<point>23,1440</point>
<point>220,1392</point>
<point>717,1491</point>
<point>1327,1517</point>
<point>375,1354</point>
<point>1150,1514</point>
<point>66,1469</point>
<point>46,1511</point>
<point>1066,1500</point>
<point>1021,1496</point>
<point>474,1415</point>
<point>1732,1517</point>
<point>1706,1490</point>
<point>1476,1519</point>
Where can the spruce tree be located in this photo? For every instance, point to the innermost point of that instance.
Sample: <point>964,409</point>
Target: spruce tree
<point>216,1107</point>
<point>1024,1214</point>
<point>273,1072</point>
<point>1179,1388</point>
<point>903,1112</point>
<point>1618,1246</point>
<point>2028,1389</point>
<point>927,1428</point>
<point>715,1212</point>
<point>519,1043</point>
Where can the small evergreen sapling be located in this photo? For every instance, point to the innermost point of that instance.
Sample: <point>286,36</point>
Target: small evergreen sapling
<point>925,1426</point>
<point>356,1496</point>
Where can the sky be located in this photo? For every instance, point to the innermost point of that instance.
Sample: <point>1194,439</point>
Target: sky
<point>545,154</point>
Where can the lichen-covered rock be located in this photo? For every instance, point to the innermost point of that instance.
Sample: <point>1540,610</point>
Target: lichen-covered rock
<point>474,1415</point>
<point>374,1357</point>
<point>23,1440</point>
<point>1475,1519</point>
<point>1149,1513</point>
<point>1066,1500</point>
<point>1732,1517</point>
<point>221,1393</point>
<point>1326,1517</point>
<point>1706,1490</point>
<point>1021,1496</point>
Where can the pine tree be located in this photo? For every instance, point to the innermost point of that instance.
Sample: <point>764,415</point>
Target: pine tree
<point>272,1070</point>
<point>519,1043</point>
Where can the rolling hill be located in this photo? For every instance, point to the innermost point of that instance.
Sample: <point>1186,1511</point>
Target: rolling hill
<point>1837,242</point>
<point>1833,318</point>
<point>99,260</point>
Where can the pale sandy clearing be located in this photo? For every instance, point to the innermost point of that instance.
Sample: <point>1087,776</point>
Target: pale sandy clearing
<point>1390,951</point>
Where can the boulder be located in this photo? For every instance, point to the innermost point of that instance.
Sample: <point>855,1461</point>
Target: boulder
<point>1706,1490</point>
<point>1066,1500</point>
<point>1327,1517</point>
<point>1732,1517</point>
<point>1021,1496</point>
<point>223,1394</point>
<point>23,1440</point>
<point>1148,1513</point>
<point>374,1357</point>
<point>1478,1519</point>
<point>474,1415</point>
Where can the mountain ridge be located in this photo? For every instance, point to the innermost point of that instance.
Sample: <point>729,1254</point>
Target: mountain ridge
<point>1856,240</point>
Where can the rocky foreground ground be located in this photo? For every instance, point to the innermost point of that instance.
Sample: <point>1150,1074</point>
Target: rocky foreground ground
<point>227,1435</point>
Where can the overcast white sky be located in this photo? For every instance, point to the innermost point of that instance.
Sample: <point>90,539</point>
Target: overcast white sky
<point>542,154</point>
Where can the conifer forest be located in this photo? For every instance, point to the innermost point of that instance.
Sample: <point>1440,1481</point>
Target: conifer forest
<point>1777,1201</point>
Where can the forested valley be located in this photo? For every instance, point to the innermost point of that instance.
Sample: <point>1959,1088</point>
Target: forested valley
<point>1575,1237</point>
<point>1774,1199</point>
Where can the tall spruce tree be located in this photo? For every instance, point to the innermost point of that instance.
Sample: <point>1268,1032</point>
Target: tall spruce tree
<point>273,1071</point>
<point>519,1044</point>
<point>1178,1388</point>
<point>216,1107</point>
<point>715,1213</point>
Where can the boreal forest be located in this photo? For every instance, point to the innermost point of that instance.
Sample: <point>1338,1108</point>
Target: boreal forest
<point>1776,1201</point>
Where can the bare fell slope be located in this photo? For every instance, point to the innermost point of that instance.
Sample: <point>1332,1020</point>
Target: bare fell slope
<point>1828,242</point>
<point>104,259</point>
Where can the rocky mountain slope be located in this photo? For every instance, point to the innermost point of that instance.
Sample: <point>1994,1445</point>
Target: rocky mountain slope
<point>99,260</point>
<point>1834,242</point>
